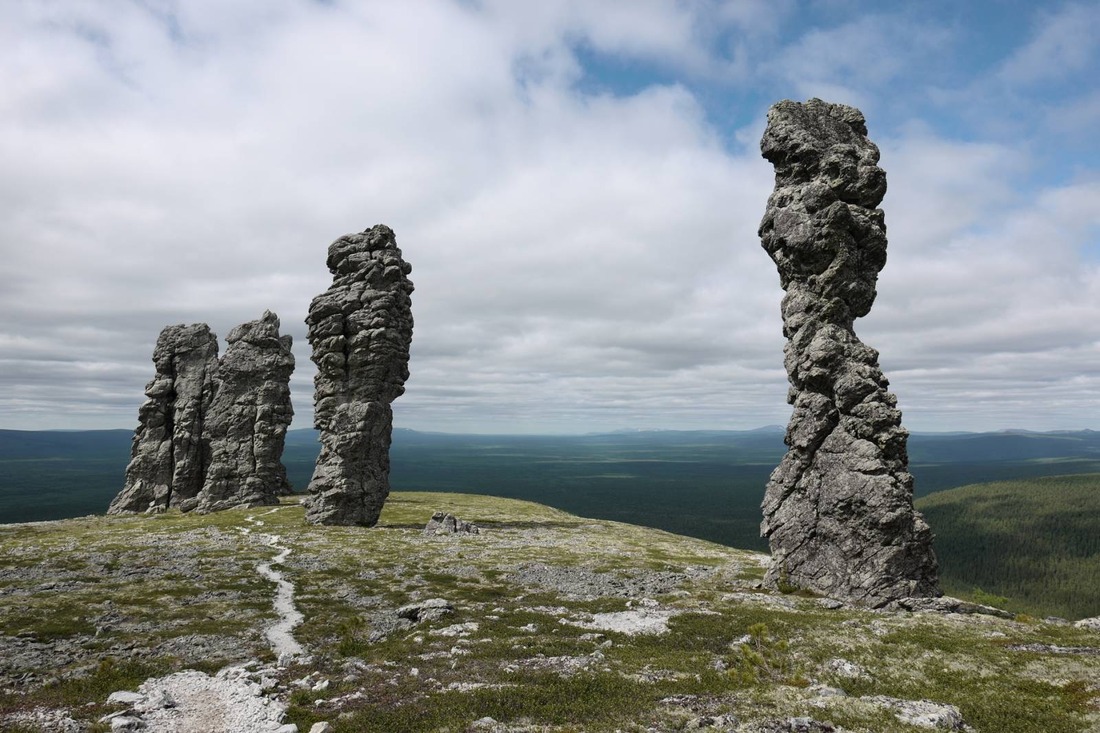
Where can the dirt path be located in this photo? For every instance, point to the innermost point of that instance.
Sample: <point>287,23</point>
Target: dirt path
<point>280,634</point>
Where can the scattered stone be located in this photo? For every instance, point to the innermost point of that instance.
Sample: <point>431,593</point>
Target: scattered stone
<point>127,722</point>
<point>1089,623</point>
<point>443,523</point>
<point>792,725</point>
<point>360,330</point>
<point>946,604</point>
<point>322,727</point>
<point>584,583</point>
<point>1088,651</point>
<point>846,669</point>
<point>432,609</point>
<point>458,629</point>
<point>248,419</point>
<point>170,453</point>
<point>632,622</point>
<point>124,697</point>
<point>47,719</point>
<point>838,511</point>
<point>715,722</point>
<point>922,713</point>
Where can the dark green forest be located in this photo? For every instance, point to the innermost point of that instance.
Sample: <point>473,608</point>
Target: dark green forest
<point>1034,543</point>
<point>705,484</point>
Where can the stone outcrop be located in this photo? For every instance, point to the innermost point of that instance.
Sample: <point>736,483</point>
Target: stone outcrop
<point>249,417</point>
<point>838,512</point>
<point>170,452</point>
<point>360,330</point>
<point>210,435</point>
<point>443,523</point>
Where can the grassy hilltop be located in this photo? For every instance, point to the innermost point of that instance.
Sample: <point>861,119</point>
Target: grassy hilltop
<point>538,639</point>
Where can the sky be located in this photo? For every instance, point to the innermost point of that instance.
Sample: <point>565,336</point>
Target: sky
<point>576,184</point>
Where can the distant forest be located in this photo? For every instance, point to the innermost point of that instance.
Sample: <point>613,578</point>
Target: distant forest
<point>705,484</point>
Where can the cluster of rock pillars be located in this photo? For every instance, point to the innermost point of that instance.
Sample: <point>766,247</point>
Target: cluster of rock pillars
<point>838,510</point>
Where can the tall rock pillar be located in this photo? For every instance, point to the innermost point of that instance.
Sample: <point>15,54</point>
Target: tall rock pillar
<point>360,330</point>
<point>170,451</point>
<point>248,419</point>
<point>838,511</point>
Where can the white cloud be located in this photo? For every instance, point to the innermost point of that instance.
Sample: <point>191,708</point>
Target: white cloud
<point>1064,43</point>
<point>582,260</point>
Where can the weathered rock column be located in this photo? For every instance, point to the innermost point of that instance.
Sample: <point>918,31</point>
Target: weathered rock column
<point>248,419</point>
<point>170,453</point>
<point>360,330</point>
<point>838,512</point>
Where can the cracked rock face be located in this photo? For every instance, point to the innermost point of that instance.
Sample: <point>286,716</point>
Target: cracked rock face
<point>838,512</point>
<point>210,435</point>
<point>248,419</point>
<point>360,330</point>
<point>170,452</point>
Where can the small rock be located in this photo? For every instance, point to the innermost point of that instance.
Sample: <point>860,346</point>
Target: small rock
<point>429,610</point>
<point>321,686</point>
<point>159,699</point>
<point>1089,623</point>
<point>288,728</point>
<point>457,629</point>
<point>127,722</point>
<point>844,668</point>
<point>124,697</point>
<point>922,713</point>
<point>322,727</point>
<point>443,523</point>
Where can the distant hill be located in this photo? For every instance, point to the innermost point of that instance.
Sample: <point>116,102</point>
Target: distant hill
<point>1034,542</point>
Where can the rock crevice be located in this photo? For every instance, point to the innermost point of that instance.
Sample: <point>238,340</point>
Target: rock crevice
<point>838,511</point>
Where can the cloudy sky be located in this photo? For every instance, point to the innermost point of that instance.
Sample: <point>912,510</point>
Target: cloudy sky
<point>577,185</point>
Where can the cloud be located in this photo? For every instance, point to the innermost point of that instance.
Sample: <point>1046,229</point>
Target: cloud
<point>584,257</point>
<point>1064,44</point>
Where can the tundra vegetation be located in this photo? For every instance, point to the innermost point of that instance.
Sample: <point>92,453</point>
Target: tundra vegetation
<point>537,633</point>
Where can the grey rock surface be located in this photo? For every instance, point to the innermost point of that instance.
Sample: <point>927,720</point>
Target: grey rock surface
<point>443,523</point>
<point>360,330</point>
<point>248,418</point>
<point>210,435</point>
<point>838,511</point>
<point>170,452</point>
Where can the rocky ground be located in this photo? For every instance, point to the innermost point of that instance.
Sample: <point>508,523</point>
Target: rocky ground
<point>543,621</point>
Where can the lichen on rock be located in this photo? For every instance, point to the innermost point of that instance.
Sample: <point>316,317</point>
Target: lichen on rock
<point>360,330</point>
<point>838,511</point>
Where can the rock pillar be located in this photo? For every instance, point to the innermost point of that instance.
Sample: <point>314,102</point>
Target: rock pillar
<point>170,451</point>
<point>838,511</point>
<point>248,419</point>
<point>360,330</point>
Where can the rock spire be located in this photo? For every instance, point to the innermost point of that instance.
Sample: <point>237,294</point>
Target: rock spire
<point>210,435</point>
<point>360,330</point>
<point>249,417</point>
<point>169,455</point>
<point>838,511</point>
